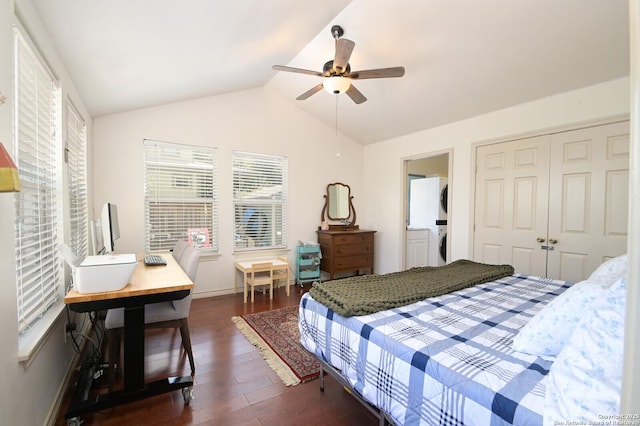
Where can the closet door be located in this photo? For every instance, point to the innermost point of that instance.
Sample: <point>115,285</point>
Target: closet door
<point>511,206</point>
<point>588,199</point>
<point>554,205</point>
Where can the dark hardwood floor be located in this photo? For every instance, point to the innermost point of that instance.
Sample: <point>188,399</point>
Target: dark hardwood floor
<point>233,385</point>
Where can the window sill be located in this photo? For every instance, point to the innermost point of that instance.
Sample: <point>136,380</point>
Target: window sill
<point>210,255</point>
<point>29,343</point>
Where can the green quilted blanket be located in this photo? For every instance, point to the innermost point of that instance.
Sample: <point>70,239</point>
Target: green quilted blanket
<point>366,294</point>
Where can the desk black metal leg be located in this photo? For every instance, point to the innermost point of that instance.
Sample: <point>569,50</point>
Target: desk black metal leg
<point>102,402</point>
<point>135,387</point>
<point>133,348</point>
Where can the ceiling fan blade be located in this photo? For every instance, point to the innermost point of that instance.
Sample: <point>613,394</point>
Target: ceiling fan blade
<point>355,95</point>
<point>310,92</point>
<point>377,73</point>
<point>297,70</point>
<point>344,48</point>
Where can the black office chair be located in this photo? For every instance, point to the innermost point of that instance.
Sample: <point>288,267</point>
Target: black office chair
<point>169,314</point>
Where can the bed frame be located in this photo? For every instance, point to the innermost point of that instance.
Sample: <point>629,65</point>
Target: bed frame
<point>383,419</point>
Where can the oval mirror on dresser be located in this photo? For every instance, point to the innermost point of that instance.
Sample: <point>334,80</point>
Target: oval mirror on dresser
<point>344,246</point>
<point>338,205</point>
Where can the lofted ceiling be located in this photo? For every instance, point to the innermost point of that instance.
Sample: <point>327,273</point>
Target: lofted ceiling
<point>462,57</point>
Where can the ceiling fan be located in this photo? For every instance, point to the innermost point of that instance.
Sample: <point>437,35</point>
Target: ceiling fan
<point>337,73</point>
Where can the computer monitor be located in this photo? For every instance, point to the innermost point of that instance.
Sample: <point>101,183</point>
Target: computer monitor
<point>110,226</point>
<point>97,237</point>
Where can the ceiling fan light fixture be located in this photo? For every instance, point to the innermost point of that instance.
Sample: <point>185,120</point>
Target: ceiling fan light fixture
<point>336,84</point>
<point>337,72</point>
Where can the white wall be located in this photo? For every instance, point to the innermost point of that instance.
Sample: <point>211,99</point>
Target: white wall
<point>437,165</point>
<point>254,121</point>
<point>383,162</point>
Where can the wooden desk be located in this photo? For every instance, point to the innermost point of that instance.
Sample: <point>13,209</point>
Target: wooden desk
<point>245,267</point>
<point>148,284</point>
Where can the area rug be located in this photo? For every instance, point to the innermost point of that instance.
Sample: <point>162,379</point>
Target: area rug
<point>275,333</point>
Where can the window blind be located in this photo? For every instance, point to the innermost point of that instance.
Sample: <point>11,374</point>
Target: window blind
<point>181,196</point>
<point>38,227</point>
<point>76,157</point>
<point>260,201</point>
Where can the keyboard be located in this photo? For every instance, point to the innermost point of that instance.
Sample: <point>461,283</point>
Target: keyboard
<point>154,260</point>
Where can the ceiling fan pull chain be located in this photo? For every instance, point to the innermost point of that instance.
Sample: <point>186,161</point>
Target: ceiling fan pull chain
<point>336,116</point>
<point>337,137</point>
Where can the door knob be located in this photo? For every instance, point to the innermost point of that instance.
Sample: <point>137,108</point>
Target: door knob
<point>540,239</point>
<point>553,241</point>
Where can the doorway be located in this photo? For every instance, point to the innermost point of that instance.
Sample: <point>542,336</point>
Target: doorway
<point>427,201</point>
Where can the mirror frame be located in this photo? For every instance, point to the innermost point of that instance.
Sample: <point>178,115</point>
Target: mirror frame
<point>348,222</point>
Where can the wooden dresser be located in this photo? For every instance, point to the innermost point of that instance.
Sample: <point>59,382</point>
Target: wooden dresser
<point>345,251</point>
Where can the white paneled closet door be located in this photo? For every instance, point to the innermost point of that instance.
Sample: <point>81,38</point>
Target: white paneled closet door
<point>553,205</point>
<point>588,200</point>
<point>512,186</point>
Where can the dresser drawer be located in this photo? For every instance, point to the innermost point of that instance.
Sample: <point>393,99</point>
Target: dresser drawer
<point>353,262</point>
<point>350,250</point>
<point>353,239</point>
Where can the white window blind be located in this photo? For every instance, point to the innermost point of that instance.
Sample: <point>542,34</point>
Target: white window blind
<point>181,196</point>
<point>259,201</point>
<point>76,157</point>
<point>38,227</point>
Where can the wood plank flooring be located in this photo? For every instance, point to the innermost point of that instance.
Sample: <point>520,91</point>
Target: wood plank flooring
<point>233,384</point>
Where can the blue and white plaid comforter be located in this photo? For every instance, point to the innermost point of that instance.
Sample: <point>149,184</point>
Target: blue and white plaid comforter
<point>446,360</point>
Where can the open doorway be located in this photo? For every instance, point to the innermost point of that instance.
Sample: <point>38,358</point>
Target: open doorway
<point>426,203</point>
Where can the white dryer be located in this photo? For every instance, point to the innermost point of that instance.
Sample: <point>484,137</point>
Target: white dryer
<point>444,197</point>
<point>441,257</point>
<point>441,223</point>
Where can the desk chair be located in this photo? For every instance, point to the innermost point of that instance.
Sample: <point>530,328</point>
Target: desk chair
<point>259,274</point>
<point>178,250</point>
<point>171,314</point>
<point>282,274</point>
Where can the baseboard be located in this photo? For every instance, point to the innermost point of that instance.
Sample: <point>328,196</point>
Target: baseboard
<point>225,292</point>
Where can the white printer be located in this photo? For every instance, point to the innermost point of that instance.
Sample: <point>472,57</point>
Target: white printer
<point>96,274</point>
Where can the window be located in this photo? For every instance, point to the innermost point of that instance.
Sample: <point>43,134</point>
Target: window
<point>76,158</point>
<point>38,207</point>
<point>259,201</point>
<point>181,196</point>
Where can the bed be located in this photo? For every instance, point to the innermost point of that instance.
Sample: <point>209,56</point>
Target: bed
<point>450,359</point>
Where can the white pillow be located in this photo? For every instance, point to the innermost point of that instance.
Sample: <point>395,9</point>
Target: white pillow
<point>585,381</point>
<point>611,270</point>
<point>550,329</point>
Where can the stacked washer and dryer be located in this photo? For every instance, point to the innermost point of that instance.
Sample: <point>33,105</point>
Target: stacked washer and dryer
<point>428,210</point>
<point>441,222</point>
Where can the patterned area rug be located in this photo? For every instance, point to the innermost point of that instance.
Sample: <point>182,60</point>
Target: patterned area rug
<point>275,333</point>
